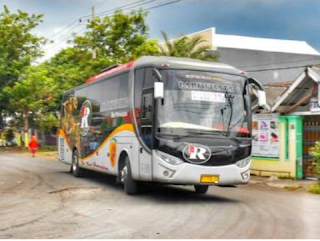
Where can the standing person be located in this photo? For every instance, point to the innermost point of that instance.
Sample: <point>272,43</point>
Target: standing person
<point>33,145</point>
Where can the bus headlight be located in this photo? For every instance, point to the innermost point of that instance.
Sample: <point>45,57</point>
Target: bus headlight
<point>168,158</point>
<point>243,163</point>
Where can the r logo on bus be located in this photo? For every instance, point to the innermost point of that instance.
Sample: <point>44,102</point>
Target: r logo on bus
<point>85,113</point>
<point>85,117</point>
<point>196,153</point>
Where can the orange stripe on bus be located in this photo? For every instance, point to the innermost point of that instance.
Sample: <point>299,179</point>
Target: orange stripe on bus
<point>125,127</point>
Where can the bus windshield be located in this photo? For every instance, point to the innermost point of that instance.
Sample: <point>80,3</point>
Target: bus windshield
<point>203,102</point>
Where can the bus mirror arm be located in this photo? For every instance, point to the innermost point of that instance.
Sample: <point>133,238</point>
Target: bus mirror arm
<point>261,94</point>
<point>156,73</point>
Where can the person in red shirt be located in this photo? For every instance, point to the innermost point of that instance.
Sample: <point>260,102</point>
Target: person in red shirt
<point>33,145</point>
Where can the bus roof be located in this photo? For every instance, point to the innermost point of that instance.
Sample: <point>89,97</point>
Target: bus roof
<point>172,62</point>
<point>110,71</point>
<point>185,63</point>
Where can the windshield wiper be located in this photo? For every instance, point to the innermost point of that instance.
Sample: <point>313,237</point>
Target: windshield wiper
<point>230,98</point>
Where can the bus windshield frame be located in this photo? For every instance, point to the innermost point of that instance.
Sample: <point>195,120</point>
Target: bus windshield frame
<point>203,102</point>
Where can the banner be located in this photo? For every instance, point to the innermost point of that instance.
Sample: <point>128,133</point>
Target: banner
<point>266,135</point>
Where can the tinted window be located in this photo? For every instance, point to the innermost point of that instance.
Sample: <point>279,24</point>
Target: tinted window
<point>124,89</point>
<point>110,88</point>
<point>138,83</point>
<point>150,79</point>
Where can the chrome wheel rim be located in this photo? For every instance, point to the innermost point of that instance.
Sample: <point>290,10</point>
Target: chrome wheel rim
<point>74,166</point>
<point>124,173</point>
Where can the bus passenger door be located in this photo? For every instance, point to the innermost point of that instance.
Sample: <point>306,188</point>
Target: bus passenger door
<point>145,157</point>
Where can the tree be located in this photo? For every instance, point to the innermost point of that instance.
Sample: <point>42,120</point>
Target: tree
<point>32,95</point>
<point>18,48</point>
<point>120,38</point>
<point>116,39</point>
<point>187,47</point>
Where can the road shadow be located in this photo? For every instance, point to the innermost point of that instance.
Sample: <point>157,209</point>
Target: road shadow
<point>157,192</point>
<point>100,179</point>
<point>180,194</point>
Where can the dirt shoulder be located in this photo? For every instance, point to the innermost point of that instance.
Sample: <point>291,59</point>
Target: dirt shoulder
<point>287,184</point>
<point>42,151</point>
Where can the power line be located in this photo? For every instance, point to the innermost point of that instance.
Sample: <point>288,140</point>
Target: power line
<point>162,5</point>
<point>58,33</point>
<point>281,68</point>
<point>64,39</point>
<point>129,6</point>
<point>66,30</point>
<point>121,7</point>
<point>283,62</point>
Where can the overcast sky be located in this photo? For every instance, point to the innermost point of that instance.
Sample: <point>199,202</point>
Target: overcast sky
<point>281,19</point>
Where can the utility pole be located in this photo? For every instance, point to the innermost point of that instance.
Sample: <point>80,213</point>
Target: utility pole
<point>94,53</point>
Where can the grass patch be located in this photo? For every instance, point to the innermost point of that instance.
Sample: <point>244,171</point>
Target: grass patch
<point>24,149</point>
<point>48,148</point>
<point>315,188</point>
<point>292,188</point>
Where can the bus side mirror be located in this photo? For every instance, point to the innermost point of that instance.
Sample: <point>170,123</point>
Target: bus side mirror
<point>262,98</point>
<point>158,90</point>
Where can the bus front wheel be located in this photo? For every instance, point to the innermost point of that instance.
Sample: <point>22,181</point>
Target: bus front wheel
<point>201,189</point>
<point>130,185</point>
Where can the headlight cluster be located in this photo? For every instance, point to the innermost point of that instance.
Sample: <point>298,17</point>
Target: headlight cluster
<point>168,158</point>
<point>243,163</point>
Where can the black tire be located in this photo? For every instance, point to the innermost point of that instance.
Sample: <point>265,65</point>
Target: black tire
<point>76,169</point>
<point>130,185</point>
<point>201,189</point>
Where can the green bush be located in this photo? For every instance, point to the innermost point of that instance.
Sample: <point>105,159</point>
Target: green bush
<point>315,153</point>
<point>315,188</point>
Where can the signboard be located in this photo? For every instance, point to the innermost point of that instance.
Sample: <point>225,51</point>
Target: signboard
<point>314,105</point>
<point>266,135</point>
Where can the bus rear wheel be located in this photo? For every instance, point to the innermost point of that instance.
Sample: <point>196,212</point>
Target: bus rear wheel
<point>76,169</point>
<point>201,189</point>
<point>130,185</point>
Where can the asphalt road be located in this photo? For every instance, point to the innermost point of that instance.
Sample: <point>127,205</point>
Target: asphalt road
<point>39,198</point>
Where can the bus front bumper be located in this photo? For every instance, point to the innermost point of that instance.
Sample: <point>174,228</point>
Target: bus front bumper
<point>191,174</point>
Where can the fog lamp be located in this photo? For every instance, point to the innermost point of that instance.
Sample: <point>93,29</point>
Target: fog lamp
<point>245,175</point>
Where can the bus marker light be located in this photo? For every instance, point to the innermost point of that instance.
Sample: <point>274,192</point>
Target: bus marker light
<point>165,65</point>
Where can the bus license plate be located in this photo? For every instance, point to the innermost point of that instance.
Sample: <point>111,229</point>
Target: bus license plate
<point>209,179</point>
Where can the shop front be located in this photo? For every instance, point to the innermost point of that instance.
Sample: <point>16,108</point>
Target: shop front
<point>283,135</point>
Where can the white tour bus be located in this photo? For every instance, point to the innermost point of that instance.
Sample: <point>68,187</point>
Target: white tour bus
<point>161,119</point>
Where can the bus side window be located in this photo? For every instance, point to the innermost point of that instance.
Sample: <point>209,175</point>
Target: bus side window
<point>146,117</point>
<point>138,85</point>
<point>147,108</point>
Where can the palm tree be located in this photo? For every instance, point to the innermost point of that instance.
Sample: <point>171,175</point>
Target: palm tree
<point>187,47</point>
